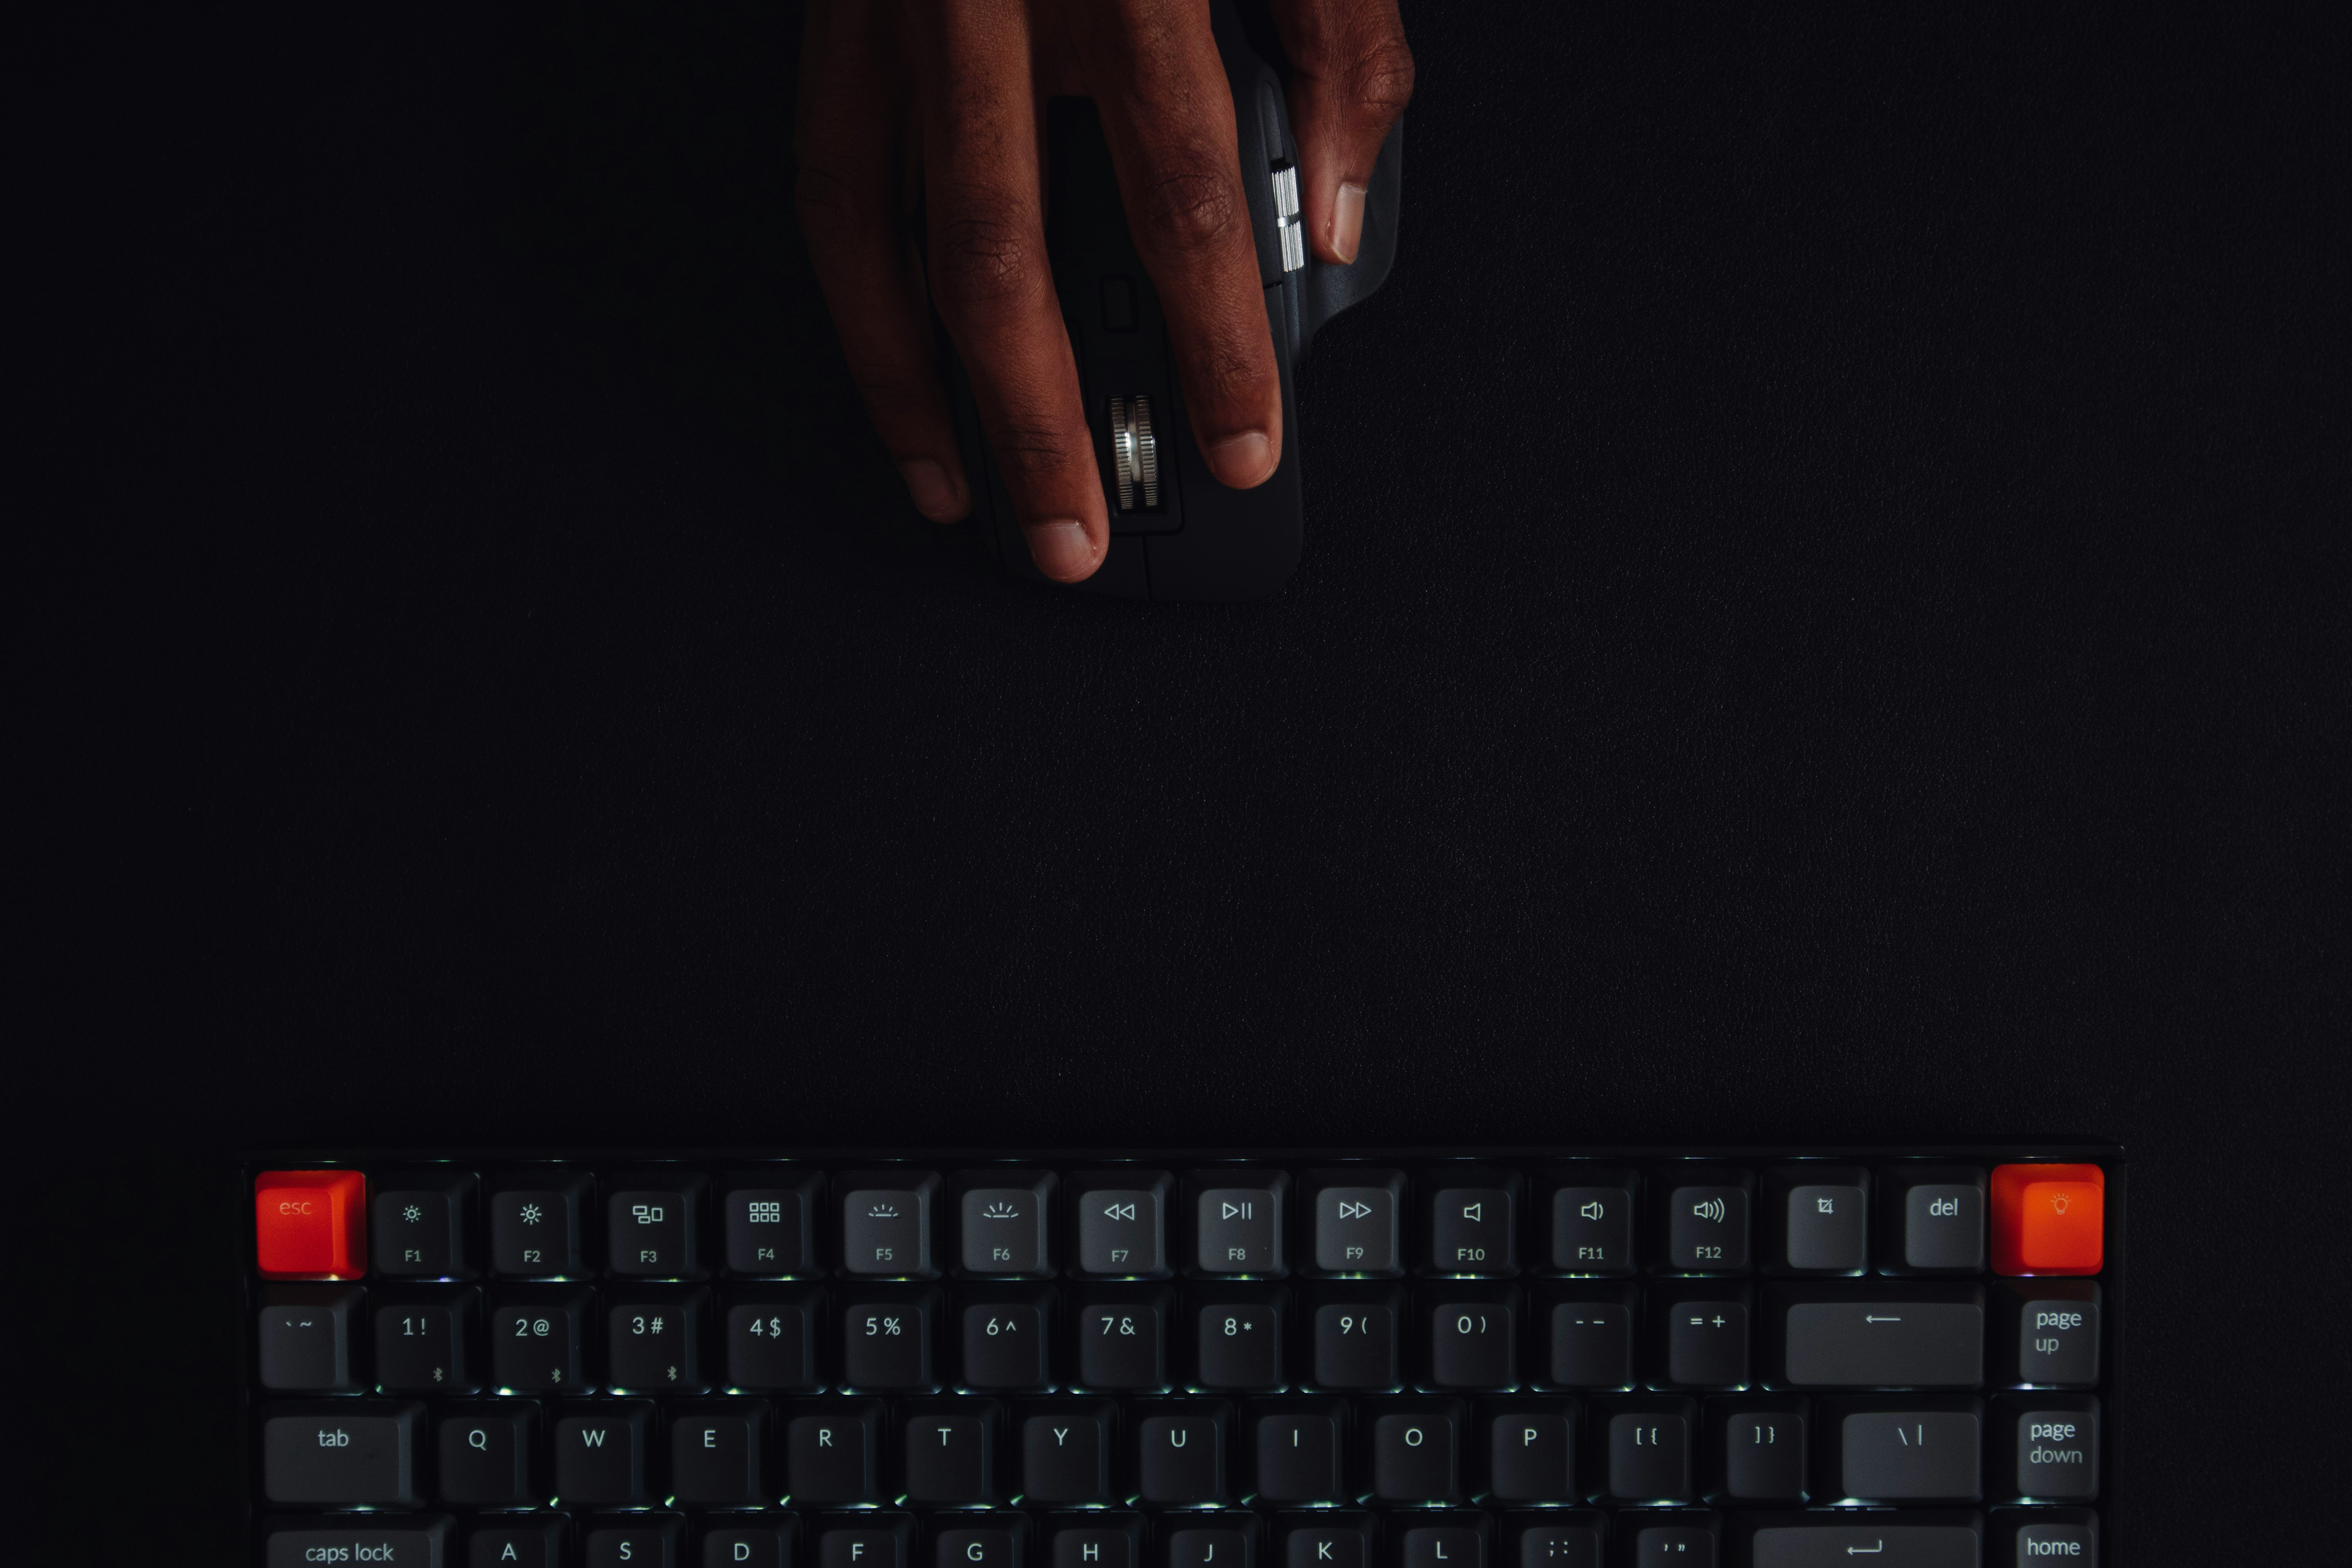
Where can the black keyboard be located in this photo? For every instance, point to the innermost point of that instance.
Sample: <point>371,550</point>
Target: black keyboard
<point>1552,1359</point>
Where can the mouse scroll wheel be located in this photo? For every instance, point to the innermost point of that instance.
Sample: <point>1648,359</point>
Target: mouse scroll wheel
<point>1286,212</point>
<point>1135,452</point>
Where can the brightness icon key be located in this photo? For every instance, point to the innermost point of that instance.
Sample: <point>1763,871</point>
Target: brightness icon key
<point>1001,1219</point>
<point>887,1220</point>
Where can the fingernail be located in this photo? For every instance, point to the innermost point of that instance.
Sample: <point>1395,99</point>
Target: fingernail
<point>1244,460</point>
<point>1348,222</point>
<point>1062,550</point>
<point>934,494</point>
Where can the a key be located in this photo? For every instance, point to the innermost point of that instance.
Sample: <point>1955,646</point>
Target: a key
<point>652,1223</point>
<point>769,1346</point>
<point>600,1458</point>
<point>1357,1215</point>
<point>311,1225</point>
<point>1531,1454</point>
<point>982,1540</point>
<point>1181,1459</point>
<point>1885,1335</point>
<point>1911,1456</point>
<point>1706,1339</point>
<point>1442,1546</point>
<point>650,1541</point>
<point>864,1546</point>
<point>421,1345</point>
<point>1121,1342</point>
<point>538,1224</point>
<point>652,1343</point>
<point>714,1457</point>
<point>1572,1544</point>
<point>1473,1342</point>
<point>418,1225</point>
<point>950,1459</point>
<point>1822,1218</point>
<point>886,1344</point>
<point>1122,1223</point>
<point>1415,1455</point>
<point>398,1540</point>
<point>1004,1217</point>
<point>1931,1218</point>
<point>759,1545</point>
<point>306,1339</point>
<point>1650,1454</point>
<point>1472,1221</point>
<point>1706,1221</point>
<point>1297,1454</point>
<point>771,1222</point>
<point>1237,1220</point>
<point>1906,1539</point>
<point>1004,1344</point>
<point>1592,1340</point>
<point>829,1454</point>
<point>2051,1446</point>
<point>536,1341</point>
<point>1066,1456</point>
<point>533,1541</point>
<point>886,1223</point>
<point>1592,1215</point>
<point>1355,1341</point>
<point>1762,1451</point>
<point>342,1454</point>
<point>486,1456</point>
<point>1239,1343</point>
<point>2047,1332</point>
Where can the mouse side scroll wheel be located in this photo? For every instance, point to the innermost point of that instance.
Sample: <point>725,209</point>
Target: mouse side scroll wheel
<point>1286,212</point>
<point>1135,452</point>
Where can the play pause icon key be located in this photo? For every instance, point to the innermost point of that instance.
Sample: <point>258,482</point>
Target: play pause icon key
<point>1356,1230</point>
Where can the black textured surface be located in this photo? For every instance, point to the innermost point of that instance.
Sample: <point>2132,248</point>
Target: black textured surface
<point>1824,617</point>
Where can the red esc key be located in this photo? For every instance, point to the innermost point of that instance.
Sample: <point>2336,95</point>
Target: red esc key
<point>311,1225</point>
<point>2048,1219</point>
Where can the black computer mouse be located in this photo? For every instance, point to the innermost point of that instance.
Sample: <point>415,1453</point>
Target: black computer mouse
<point>1176,532</point>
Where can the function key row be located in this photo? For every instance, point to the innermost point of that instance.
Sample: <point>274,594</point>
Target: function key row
<point>1227,1222</point>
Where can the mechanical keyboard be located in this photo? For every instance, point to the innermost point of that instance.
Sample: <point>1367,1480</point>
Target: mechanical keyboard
<point>1585,1358</point>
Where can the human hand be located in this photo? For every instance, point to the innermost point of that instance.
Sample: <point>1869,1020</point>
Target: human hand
<point>936,108</point>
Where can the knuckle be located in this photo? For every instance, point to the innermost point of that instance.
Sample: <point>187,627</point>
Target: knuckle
<point>1192,204</point>
<point>1036,451</point>
<point>984,251</point>
<point>1380,79</point>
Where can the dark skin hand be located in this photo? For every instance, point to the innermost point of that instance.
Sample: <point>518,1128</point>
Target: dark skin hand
<point>938,106</point>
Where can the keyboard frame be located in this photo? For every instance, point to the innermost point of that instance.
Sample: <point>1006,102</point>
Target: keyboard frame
<point>2114,1315</point>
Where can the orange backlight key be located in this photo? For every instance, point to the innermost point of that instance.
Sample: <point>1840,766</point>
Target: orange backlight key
<point>2048,1219</point>
<point>311,1225</point>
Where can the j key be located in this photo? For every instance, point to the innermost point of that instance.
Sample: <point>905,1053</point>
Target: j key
<point>1237,1220</point>
<point>1707,1225</point>
<point>829,1457</point>
<point>1181,1459</point>
<point>1297,1458</point>
<point>1650,1454</point>
<point>2052,1442</point>
<point>1065,1457</point>
<point>651,1225</point>
<point>486,1456</point>
<point>887,1220</point>
<point>1887,1341</point>
<point>399,1541</point>
<point>646,1542</point>
<point>1934,1217</point>
<point>536,1542</point>
<point>653,1345</point>
<point>950,1459</point>
<point>341,1455</point>
<point>1209,1548</point>
<point>1706,1341</point>
<point>1592,1222</point>
<point>1090,1548</point>
<point>1240,1344</point>
<point>536,1225</point>
<point>1004,1345</point>
<point>1592,1342</point>
<point>1911,1456</point>
<point>1691,1545</point>
<point>421,1345</point>
<point>769,1347</point>
<point>1471,1343</point>
<point>1473,1222</point>
<point>1415,1455</point>
<point>771,1223</point>
<point>1443,1546</point>
<point>864,1547</point>
<point>600,1458</point>
<point>1531,1456</point>
<point>1565,1545</point>
<point>1763,1454</point>
<point>1121,1343</point>
<point>1003,1216</point>
<point>1824,1218</point>
<point>888,1344</point>
<point>1357,1216</point>
<point>714,1458</point>
<point>1122,1223</point>
<point>306,1339</point>
<point>2048,1332</point>
<point>1356,1344</point>
<point>744,1546</point>
<point>535,1342</point>
<point>1903,1541</point>
<point>419,1229</point>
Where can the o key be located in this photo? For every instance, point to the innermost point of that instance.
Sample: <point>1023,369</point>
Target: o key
<point>311,1225</point>
<point>2048,1220</point>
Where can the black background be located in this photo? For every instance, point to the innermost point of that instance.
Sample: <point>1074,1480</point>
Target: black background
<point>1825,618</point>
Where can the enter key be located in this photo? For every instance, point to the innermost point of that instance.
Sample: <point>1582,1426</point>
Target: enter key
<point>1892,1336</point>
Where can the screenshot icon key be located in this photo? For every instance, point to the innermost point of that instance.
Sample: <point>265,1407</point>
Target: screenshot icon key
<point>311,1225</point>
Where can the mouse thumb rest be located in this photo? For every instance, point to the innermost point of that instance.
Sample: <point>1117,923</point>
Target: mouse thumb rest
<point>1176,532</point>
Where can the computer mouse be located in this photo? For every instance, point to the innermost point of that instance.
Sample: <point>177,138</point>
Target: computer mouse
<point>1176,532</point>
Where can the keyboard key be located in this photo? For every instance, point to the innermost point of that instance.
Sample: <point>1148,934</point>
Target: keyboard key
<point>1911,1456</point>
<point>2051,1444</point>
<point>886,1344</point>
<point>2048,1220</point>
<point>950,1458</point>
<point>311,1225</point>
<point>1591,1337</point>
<point>421,1229</point>
<point>866,1545</point>
<point>1298,1456</point>
<point>1762,1451</point>
<point>1003,1216</point>
<point>397,1541</point>
<point>1932,1218</point>
<point>987,1540</point>
<point>1005,1344</point>
<point>1121,1343</point>
<point>1092,1547</point>
<point>1676,1545</point>
<point>306,1339</point>
<point>1332,1540</point>
<point>1065,1457</point>
<point>600,1454</point>
<point>2028,1538</point>
<point>1820,1216</point>
<point>652,1343</point>
<point>829,1453</point>
<point>536,1342</point>
<point>1355,1341</point>
<point>1650,1452</point>
<point>732,1546</point>
<point>1203,1547</point>
<point>1122,1223</point>
<point>421,1346</point>
<point>341,1455</point>
<point>1472,1221</point>
<point>714,1457</point>
<point>486,1456</point>
<point>1705,1338</point>
<point>538,1224</point>
<point>1572,1543</point>
<point>1238,1344</point>
<point>2048,1332</point>
<point>1180,1460</point>
<point>771,1222</point>
<point>771,1348</point>
<point>536,1542</point>
<point>1902,1540</point>
<point>652,1226</point>
<point>1706,1221</point>
<point>1237,1220</point>
<point>1592,1215</point>
<point>1443,1546</point>
<point>644,1542</point>
<point>1416,1454</point>
<point>1473,1341</point>
<point>1531,1454</point>
<point>1358,1217</point>
<point>886,1223</point>
<point>1896,1337</point>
